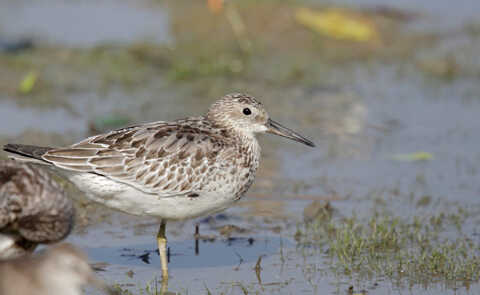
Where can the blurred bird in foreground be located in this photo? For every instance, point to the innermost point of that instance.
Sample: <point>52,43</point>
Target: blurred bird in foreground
<point>33,209</point>
<point>61,270</point>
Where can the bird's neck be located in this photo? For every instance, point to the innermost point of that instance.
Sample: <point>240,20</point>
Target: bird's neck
<point>246,142</point>
<point>250,148</point>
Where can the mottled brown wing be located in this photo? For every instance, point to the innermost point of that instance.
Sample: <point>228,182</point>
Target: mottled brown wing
<point>18,188</point>
<point>32,204</point>
<point>161,158</point>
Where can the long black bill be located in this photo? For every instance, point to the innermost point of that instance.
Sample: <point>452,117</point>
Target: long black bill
<point>276,128</point>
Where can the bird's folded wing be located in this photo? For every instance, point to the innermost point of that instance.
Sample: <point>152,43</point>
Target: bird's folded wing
<point>165,159</point>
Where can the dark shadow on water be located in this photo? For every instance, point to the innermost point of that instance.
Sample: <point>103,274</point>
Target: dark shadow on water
<point>231,251</point>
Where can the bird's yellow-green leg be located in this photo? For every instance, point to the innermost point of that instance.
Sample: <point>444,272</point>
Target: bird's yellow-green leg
<point>162,249</point>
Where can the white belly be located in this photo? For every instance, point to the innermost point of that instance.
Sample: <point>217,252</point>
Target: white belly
<point>130,200</point>
<point>8,247</point>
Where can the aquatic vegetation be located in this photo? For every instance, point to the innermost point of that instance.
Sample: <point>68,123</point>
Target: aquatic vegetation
<point>28,82</point>
<point>423,250</point>
<point>412,157</point>
<point>338,24</point>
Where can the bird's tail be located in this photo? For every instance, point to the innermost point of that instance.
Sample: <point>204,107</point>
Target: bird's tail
<point>27,151</point>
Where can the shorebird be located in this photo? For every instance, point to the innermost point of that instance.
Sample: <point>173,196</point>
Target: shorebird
<point>171,170</point>
<point>61,270</point>
<point>33,209</point>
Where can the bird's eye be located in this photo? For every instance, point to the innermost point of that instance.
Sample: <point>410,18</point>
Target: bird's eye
<point>247,111</point>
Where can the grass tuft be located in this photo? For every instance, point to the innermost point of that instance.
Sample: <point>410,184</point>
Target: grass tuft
<point>420,251</point>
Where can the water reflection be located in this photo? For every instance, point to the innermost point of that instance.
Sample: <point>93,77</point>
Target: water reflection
<point>185,254</point>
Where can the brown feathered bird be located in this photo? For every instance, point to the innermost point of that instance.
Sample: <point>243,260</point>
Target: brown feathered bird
<point>171,170</point>
<point>34,209</point>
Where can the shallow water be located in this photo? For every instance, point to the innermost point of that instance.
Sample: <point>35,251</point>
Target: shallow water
<point>82,24</point>
<point>405,114</point>
<point>369,115</point>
